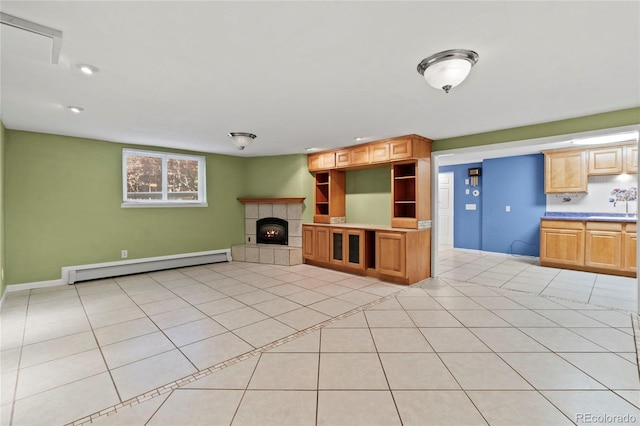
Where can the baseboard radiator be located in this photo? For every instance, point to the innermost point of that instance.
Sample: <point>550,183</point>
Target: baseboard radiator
<point>74,274</point>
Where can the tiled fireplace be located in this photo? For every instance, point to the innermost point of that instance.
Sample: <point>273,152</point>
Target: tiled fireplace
<point>287,209</point>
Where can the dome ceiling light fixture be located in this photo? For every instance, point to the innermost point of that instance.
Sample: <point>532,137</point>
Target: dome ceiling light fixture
<point>445,70</point>
<point>241,139</point>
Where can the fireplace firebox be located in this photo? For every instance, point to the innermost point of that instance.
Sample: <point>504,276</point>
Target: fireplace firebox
<point>272,230</point>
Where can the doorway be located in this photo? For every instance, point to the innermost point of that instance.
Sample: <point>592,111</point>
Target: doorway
<point>445,209</point>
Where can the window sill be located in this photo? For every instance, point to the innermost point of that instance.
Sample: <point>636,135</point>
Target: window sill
<point>160,205</point>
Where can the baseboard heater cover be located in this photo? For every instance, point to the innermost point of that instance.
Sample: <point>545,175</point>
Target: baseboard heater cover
<point>73,274</point>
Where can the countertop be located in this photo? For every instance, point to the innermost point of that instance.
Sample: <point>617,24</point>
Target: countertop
<point>591,217</point>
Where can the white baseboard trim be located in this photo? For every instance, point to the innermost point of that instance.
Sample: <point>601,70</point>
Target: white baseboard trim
<point>494,253</point>
<point>72,274</point>
<point>30,286</point>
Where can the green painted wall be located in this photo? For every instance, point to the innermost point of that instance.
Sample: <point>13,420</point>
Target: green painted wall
<point>368,196</point>
<point>280,176</point>
<point>63,198</point>
<point>2,208</point>
<point>605,120</point>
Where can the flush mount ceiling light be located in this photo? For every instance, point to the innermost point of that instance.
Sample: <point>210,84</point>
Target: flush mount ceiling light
<point>445,70</point>
<point>75,109</point>
<point>87,69</point>
<point>241,139</point>
<point>613,138</point>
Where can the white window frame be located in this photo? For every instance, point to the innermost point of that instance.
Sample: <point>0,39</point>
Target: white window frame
<point>165,201</point>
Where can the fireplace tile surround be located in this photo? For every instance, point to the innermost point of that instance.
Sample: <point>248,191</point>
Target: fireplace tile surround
<point>259,208</point>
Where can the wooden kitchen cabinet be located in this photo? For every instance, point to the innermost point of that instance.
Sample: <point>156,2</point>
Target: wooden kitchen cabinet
<point>631,159</point>
<point>399,256</point>
<point>322,161</point>
<point>630,244</point>
<point>595,246</point>
<point>605,161</point>
<point>603,245</point>
<point>410,194</point>
<point>565,171</point>
<point>561,243</point>
<point>329,196</point>
<point>315,243</point>
<point>391,253</point>
<point>347,247</point>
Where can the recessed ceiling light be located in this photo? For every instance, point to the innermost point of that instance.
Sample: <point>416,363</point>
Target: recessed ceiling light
<point>360,138</point>
<point>312,149</point>
<point>614,138</point>
<point>75,109</point>
<point>88,69</point>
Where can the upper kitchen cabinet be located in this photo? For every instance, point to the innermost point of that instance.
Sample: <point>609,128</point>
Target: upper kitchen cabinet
<point>322,161</point>
<point>605,161</point>
<point>565,171</point>
<point>631,159</point>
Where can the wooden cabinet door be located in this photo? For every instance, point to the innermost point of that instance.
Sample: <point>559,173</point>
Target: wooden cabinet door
<point>391,253</point>
<point>631,159</point>
<point>323,247</point>
<point>562,246</point>
<point>343,158</point>
<point>603,249</point>
<point>379,152</point>
<point>605,161</point>
<point>360,155</point>
<point>630,252</point>
<point>321,161</point>
<point>354,246</point>
<point>308,242</point>
<point>565,171</point>
<point>400,149</point>
<point>337,243</point>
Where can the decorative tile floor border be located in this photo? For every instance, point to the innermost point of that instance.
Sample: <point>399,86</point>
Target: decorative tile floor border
<point>207,371</point>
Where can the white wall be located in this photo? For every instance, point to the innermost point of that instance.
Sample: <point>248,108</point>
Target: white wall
<point>597,198</point>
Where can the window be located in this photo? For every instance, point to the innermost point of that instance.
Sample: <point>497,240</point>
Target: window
<point>159,179</point>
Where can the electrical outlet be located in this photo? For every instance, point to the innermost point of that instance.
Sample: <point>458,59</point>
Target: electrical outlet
<point>124,254</point>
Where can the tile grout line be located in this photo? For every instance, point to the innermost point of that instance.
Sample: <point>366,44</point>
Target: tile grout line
<point>217,367</point>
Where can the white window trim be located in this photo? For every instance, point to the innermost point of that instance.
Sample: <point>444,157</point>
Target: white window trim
<point>202,188</point>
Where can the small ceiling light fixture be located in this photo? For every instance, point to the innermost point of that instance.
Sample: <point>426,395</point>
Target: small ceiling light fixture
<point>75,109</point>
<point>445,70</point>
<point>88,69</point>
<point>241,139</point>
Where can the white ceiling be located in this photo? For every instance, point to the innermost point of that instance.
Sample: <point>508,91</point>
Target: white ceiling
<point>315,74</point>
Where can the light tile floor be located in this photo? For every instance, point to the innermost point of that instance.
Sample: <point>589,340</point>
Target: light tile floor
<point>493,340</point>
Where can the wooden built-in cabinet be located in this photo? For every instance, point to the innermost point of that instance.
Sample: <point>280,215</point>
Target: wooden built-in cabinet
<point>410,194</point>
<point>384,151</point>
<point>329,201</point>
<point>565,171</point>
<point>395,255</point>
<point>595,246</point>
<point>400,253</point>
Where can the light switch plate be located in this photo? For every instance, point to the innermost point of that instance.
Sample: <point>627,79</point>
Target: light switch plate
<point>470,207</point>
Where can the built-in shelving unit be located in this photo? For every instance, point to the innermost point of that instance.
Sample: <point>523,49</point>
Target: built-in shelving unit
<point>329,203</point>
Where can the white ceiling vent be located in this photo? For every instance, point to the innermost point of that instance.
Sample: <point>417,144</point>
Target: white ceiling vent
<point>28,39</point>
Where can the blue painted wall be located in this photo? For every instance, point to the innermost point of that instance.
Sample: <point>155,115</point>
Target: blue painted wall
<point>517,182</point>
<point>467,224</point>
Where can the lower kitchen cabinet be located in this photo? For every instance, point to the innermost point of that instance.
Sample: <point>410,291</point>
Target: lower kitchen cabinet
<point>630,244</point>
<point>593,246</point>
<point>603,245</point>
<point>561,243</point>
<point>397,255</point>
